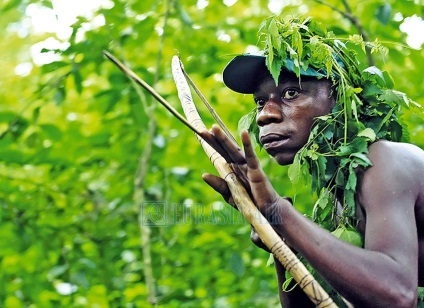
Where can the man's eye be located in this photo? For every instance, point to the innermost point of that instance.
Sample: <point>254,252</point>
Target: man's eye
<point>290,94</point>
<point>260,102</point>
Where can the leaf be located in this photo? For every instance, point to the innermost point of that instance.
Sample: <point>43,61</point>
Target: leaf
<point>270,56</point>
<point>396,97</point>
<point>385,119</point>
<point>340,179</point>
<point>368,133</point>
<point>389,80</point>
<point>51,67</point>
<point>270,260</point>
<point>351,181</point>
<point>354,110</point>
<point>297,43</point>
<point>77,80</point>
<point>358,40</point>
<point>345,150</point>
<point>359,145</point>
<point>384,13</point>
<point>80,278</point>
<point>329,134</point>
<point>246,121</point>
<point>145,28</point>
<point>324,200</point>
<point>7,5</point>
<point>363,159</point>
<point>274,36</point>
<point>237,264</point>
<point>349,196</point>
<point>57,271</point>
<point>314,40</point>
<point>273,28</point>
<point>47,3</point>
<point>322,164</point>
<point>375,71</point>
<point>51,131</point>
<point>370,90</point>
<point>316,27</point>
<point>59,96</point>
<point>275,68</point>
<point>396,131</point>
<point>294,171</point>
<point>349,235</point>
<point>324,118</point>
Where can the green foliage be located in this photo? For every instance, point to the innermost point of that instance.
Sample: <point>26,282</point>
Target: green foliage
<point>73,130</point>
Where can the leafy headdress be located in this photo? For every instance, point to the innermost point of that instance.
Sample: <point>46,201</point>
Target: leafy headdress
<point>367,109</point>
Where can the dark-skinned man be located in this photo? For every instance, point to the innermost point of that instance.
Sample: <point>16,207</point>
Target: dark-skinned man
<point>372,181</point>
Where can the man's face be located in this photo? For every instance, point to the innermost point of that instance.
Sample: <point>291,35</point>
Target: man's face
<point>286,113</point>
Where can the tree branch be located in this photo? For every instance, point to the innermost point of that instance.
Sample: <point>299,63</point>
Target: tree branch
<point>356,23</point>
<point>143,166</point>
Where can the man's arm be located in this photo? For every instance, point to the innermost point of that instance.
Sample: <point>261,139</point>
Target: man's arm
<point>294,296</point>
<point>385,272</point>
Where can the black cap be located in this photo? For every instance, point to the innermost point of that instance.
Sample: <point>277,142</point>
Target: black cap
<point>241,73</point>
<point>244,73</point>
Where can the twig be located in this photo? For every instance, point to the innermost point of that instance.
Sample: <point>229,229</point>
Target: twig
<point>149,89</point>
<point>145,230</point>
<point>355,21</point>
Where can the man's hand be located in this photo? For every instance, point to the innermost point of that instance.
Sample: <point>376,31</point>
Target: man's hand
<point>246,166</point>
<point>264,195</point>
<point>234,156</point>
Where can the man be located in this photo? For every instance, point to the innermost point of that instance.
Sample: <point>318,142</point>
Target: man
<point>374,185</point>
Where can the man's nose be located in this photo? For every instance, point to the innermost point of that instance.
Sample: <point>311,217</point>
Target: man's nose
<point>270,113</point>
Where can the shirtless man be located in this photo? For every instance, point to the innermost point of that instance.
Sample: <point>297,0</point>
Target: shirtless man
<point>389,268</point>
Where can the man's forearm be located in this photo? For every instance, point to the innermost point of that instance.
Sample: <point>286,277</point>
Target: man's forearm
<point>294,297</point>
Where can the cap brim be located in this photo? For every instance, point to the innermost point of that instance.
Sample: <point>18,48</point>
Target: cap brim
<point>241,73</point>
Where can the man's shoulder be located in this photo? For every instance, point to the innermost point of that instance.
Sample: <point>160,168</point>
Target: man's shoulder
<point>394,178</point>
<point>395,164</point>
<point>396,153</point>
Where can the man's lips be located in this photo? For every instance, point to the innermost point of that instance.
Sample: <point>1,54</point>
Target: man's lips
<point>273,141</point>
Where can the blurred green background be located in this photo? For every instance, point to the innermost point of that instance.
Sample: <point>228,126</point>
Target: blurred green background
<point>101,198</point>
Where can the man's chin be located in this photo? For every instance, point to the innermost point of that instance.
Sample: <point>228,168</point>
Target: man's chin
<point>284,159</point>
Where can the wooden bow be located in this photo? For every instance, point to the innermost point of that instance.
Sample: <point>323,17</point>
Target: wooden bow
<point>241,198</point>
<point>244,203</point>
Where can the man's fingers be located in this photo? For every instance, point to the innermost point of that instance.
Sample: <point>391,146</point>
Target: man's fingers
<point>254,237</point>
<point>216,183</point>
<point>219,185</point>
<point>213,142</point>
<point>233,150</point>
<point>251,158</point>
<point>262,191</point>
